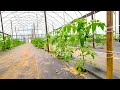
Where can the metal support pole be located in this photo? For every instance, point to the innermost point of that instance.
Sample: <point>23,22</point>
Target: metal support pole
<point>16,32</point>
<point>23,35</point>
<point>46,29</point>
<point>93,34</point>
<point>2,30</point>
<point>32,33</point>
<point>11,29</point>
<point>37,23</point>
<point>109,73</point>
<point>34,30</point>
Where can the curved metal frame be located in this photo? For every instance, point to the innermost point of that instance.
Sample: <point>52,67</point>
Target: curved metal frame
<point>19,22</point>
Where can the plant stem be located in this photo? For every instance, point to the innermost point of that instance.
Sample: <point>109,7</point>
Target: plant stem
<point>82,56</point>
<point>83,60</point>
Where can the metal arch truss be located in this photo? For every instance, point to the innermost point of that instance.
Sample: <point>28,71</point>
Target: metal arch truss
<point>21,19</point>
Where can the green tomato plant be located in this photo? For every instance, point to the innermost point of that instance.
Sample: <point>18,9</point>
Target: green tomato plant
<point>38,42</point>
<point>117,39</point>
<point>61,43</point>
<point>83,31</point>
<point>100,39</point>
<point>9,43</point>
<point>74,34</point>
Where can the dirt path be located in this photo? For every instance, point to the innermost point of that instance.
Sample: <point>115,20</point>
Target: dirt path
<point>28,62</point>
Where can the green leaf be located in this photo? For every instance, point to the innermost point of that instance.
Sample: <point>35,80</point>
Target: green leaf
<point>102,25</point>
<point>82,41</point>
<point>72,39</point>
<point>68,27</point>
<point>98,20</point>
<point>74,28</point>
<point>77,20</point>
<point>64,28</point>
<point>88,29</point>
<point>92,55</point>
<point>93,27</point>
<point>79,27</point>
<point>48,35</point>
<point>58,31</point>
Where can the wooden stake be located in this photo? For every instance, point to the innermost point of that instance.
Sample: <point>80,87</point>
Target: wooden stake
<point>115,24</point>
<point>109,73</point>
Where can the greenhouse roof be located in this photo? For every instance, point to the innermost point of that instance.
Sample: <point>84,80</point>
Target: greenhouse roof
<point>23,21</point>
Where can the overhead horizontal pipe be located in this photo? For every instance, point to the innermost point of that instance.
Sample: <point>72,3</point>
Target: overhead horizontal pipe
<point>5,33</point>
<point>89,14</point>
<point>84,16</point>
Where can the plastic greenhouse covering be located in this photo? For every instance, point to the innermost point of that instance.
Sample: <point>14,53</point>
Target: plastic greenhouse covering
<point>59,44</point>
<point>23,22</point>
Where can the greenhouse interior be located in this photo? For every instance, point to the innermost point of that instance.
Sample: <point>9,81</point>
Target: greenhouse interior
<point>59,44</point>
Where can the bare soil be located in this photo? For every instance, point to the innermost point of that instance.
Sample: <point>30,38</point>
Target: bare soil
<point>28,62</point>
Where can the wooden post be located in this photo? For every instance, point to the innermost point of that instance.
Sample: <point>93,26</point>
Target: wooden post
<point>46,29</point>
<point>119,26</point>
<point>2,30</point>
<point>93,34</point>
<point>109,73</point>
<point>115,24</point>
<point>11,29</point>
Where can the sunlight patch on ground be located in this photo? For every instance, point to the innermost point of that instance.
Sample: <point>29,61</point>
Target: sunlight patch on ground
<point>25,55</point>
<point>72,70</point>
